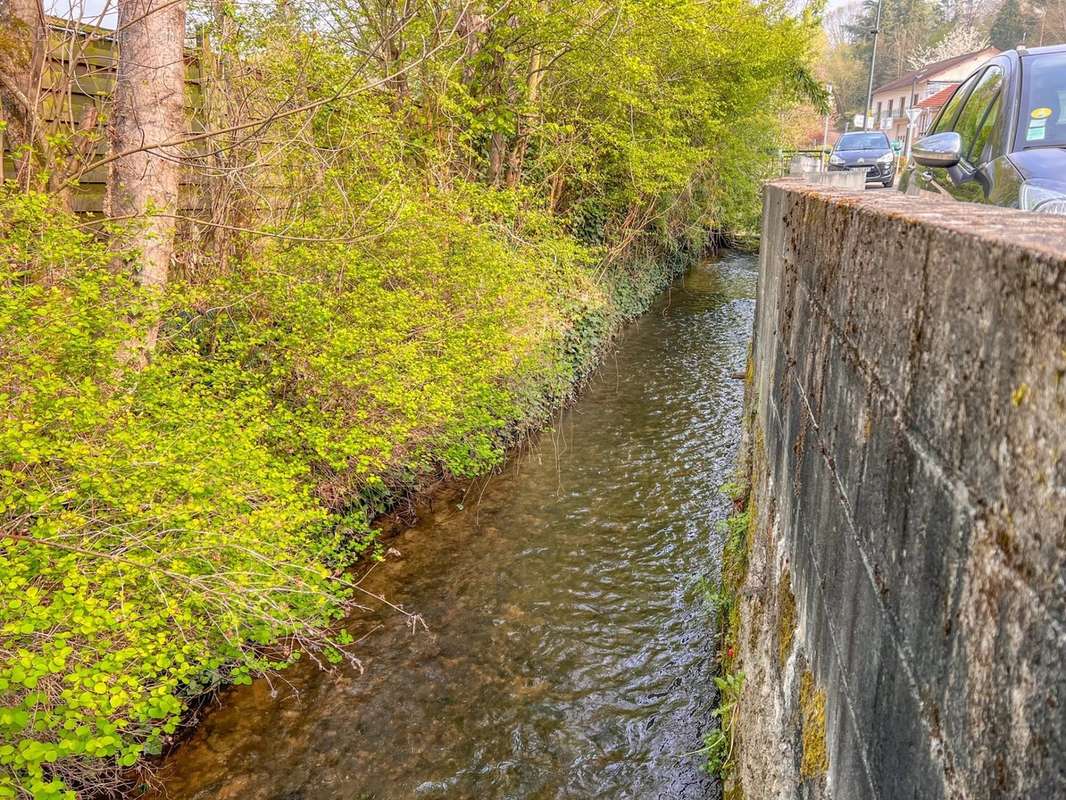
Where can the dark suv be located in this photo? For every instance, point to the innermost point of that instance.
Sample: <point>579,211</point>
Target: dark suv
<point>869,151</point>
<point>1001,138</point>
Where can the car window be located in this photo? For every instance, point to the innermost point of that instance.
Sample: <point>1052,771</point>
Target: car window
<point>1042,121</point>
<point>947,115</point>
<point>862,141</point>
<point>981,152</point>
<point>968,124</point>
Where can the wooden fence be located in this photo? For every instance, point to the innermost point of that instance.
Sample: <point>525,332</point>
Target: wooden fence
<point>79,74</point>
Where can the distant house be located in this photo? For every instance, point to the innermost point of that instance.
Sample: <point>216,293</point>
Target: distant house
<point>927,88</point>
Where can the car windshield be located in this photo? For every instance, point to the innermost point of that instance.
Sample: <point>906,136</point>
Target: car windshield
<point>862,141</point>
<point>1042,122</point>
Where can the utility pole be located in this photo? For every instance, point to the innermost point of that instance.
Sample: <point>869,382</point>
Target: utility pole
<point>825,132</point>
<point>873,59</point>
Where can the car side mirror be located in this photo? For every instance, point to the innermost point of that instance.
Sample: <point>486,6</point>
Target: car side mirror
<point>938,150</point>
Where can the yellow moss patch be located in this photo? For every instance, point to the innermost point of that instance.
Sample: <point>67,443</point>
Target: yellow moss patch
<point>812,705</point>
<point>732,790</point>
<point>1019,395</point>
<point>786,617</point>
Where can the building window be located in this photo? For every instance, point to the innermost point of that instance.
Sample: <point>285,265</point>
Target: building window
<point>890,108</point>
<point>902,105</point>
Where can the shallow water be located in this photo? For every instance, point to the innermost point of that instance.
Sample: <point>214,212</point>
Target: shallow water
<point>569,652</point>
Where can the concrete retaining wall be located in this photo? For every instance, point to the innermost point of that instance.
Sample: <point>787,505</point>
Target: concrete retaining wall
<point>908,463</point>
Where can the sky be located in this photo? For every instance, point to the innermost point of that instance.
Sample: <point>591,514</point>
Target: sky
<point>89,10</point>
<point>83,10</point>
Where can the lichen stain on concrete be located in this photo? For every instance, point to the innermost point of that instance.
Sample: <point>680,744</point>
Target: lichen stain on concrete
<point>815,759</point>
<point>732,790</point>
<point>786,617</point>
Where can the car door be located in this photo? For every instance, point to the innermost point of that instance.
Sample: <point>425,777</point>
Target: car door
<point>935,180</point>
<point>971,180</point>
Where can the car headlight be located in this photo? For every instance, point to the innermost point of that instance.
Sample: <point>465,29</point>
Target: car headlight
<point>1043,196</point>
<point>885,159</point>
<point>836,160</point>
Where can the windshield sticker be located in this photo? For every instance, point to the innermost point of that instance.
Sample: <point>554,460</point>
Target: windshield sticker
<point>1040,113</point>
<point>1035,134</point>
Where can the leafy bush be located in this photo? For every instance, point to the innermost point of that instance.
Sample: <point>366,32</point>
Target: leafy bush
<point>176,526</point>
<point>154,542</point>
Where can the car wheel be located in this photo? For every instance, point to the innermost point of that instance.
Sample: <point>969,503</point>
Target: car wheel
<point>887,183</point>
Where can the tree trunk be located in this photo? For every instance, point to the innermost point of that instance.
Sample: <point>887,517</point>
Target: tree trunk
<point>497,146</point>
<point>526,120</point>
<point>23,39</point>
<point>221,186</point>
<point>499,88</point>
<point>148,109</point>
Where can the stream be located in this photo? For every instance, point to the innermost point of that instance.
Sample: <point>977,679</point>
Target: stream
<point>569,651</point>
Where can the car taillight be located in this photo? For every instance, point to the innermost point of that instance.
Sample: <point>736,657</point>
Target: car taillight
<point>1043,196</point>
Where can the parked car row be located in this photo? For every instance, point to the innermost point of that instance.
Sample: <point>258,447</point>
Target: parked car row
<point>1000,139</point>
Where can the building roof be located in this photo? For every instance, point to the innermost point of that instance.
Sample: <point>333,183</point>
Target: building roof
<point>930,70</point>
<point>937,100</point>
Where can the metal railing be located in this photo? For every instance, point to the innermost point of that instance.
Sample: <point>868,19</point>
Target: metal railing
<point>783,158</point>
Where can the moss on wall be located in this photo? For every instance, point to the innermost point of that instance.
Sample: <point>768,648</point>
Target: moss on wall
<point>815,760</point>
<point>732,789</point>
<point>740,531</point>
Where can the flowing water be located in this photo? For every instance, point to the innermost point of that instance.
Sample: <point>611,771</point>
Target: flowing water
<point>569,651</point>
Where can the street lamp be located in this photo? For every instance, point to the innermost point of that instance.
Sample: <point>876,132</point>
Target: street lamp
<point>913,114</point>
<point>873,58</point>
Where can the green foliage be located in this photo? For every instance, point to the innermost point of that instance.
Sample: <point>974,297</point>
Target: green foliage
<point>171,528</point>
<point>736,490</point>
<point>735,548</point>
<point>719,743</point>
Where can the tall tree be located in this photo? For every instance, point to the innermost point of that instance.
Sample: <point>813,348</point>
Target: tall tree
<point>148,114</point>
<point>23,37</point>
<point>1010,27</point>
<point>968,13</point>
<point>906,26</point>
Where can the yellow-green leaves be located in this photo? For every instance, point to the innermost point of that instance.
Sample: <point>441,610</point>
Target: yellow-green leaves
<point>163,529</point>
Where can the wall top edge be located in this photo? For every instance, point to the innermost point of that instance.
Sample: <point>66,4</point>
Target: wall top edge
<point>1042,235</point>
